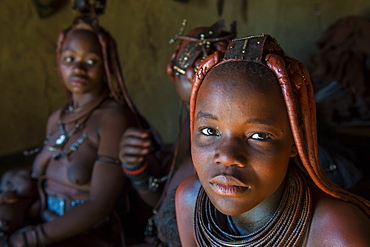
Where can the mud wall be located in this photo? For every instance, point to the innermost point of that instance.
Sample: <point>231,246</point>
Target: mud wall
<point>30,89</point>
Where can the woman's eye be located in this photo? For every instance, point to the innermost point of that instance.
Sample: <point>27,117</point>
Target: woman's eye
<point>91,61</point>
<point>68,59</point>
<point>261,136</point>
<point>209,131</point>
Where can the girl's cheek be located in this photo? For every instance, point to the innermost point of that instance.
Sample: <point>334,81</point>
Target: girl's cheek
<point>200,158</point>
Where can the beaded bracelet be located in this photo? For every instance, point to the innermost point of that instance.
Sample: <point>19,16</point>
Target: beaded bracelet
<point>138,175</point>
<point>134,169</point>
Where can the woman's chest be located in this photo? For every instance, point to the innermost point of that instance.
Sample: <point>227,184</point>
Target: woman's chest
<point>76,170</point>
<point>71,162</point>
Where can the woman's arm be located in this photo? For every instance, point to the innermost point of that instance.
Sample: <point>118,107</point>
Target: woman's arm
<point>138,150</point>
<point>186,196</point>
<point>106,181</point>
<point>105,187</point>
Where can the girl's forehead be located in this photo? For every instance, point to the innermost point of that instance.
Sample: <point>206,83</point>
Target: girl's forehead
<point>237,89</point>
<point>236,81</point>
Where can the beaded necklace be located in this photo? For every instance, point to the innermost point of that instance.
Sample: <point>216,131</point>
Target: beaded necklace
<point>68,116</point>
<point>285,228</point>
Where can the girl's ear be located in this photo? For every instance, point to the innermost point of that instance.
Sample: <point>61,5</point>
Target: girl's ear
<point>293,151</point>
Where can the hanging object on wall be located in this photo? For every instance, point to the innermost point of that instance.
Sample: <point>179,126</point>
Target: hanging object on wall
<point>46,8</point>
<point>87,6</point>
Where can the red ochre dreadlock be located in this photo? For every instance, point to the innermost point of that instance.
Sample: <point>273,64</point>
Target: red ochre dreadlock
<point>298,95</point>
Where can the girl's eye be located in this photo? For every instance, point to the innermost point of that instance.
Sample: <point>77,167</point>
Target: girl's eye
<point>209,131</point>
<point>261,136</point>
<point>68,59</point>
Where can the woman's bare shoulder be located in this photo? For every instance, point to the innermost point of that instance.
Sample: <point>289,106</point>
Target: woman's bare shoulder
<point>110,106</point>
<point>52,119</point>
<point>55,115</point>
<point>111,111</point>
<point>337,223</point>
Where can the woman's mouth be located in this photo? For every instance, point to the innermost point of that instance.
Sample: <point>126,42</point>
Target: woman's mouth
<point>78,79</point>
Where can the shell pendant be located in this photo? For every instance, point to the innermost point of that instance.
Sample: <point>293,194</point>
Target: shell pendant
<point>62,139</point>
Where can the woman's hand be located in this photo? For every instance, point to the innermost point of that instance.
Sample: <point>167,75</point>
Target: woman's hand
<point>26,236</point>
<point>14,240</point>
<point>135,145</point>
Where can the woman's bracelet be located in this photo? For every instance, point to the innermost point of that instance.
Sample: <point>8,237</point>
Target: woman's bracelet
<point>138,175</point>
<point>136,169</point>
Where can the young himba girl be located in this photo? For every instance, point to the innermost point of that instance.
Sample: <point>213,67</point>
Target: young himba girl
<point>78,171</point>
<point>258,181</point>
<point>136,143</point>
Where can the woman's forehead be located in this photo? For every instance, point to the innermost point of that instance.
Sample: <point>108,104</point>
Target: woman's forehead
<point>80,36</point>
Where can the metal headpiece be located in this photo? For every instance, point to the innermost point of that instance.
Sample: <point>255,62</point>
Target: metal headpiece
<point>252,48</point>
<point>198,43</point>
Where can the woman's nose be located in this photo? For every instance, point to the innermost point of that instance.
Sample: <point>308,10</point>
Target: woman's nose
<point>231,152</point>
<point>79,66</point>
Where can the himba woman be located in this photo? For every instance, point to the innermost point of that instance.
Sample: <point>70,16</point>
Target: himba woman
<point>254,148</point>
<point>78,171</point>
<point>136,144</point>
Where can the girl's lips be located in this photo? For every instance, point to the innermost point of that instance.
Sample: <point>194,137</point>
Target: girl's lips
<point>228,190</point>
<point>226,185</point>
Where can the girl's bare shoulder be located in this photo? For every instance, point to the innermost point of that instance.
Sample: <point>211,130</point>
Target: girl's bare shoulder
<point>337,223</point>
<point>186,196</point>
<point>188,190</point>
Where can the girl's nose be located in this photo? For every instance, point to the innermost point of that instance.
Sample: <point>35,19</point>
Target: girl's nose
<point>231,152</point>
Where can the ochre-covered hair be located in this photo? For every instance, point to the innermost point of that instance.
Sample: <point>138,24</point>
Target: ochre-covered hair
<point>196,46</point>
<point>297,91</point>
